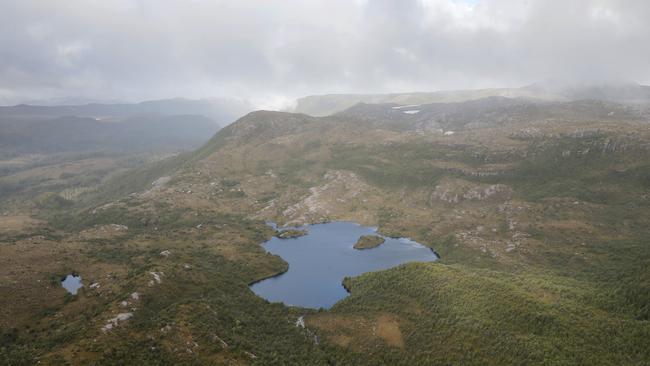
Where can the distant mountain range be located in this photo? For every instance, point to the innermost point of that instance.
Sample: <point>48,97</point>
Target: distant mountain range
<point>180,124</point>
<point>221,111</point>
<point>538,209</point>
<point>624,93</point>
<point>173,124</point>
<point>485,112</point>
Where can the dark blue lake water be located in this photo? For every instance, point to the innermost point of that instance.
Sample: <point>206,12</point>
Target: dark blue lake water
<point>319,261</point>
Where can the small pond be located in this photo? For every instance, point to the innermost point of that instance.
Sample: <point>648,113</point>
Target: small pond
<point>72,283</point>
<point>319,261</point>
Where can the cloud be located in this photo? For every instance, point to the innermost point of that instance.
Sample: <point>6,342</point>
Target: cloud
<point>273,50</point>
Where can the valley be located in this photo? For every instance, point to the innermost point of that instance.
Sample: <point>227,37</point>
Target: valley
<point>539,211</point>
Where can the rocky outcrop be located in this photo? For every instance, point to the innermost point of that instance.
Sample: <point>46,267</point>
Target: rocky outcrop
<point>291,234</point>
<point>113,322</point>
<point>340,187</point>
<point>104,231</point>
<point>457,190</point>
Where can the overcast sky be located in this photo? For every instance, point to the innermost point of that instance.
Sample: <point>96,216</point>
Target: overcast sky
<point>271,51</point>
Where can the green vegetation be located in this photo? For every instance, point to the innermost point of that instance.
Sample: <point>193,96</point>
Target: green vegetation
<point>291,233</point>
<point>456,314</point>
<point>368,242</point>
<point>52,201</point>
<point>138,179</point>
<point>555,272</point>
<point>391,166</point>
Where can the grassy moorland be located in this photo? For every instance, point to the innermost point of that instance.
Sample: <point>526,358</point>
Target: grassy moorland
<point>542,227</point>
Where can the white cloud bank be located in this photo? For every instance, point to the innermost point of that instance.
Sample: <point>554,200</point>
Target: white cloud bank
<point>274,50</point>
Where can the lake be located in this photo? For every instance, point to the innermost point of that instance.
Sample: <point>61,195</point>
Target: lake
<point>319,261</point>
<point>72,283</point>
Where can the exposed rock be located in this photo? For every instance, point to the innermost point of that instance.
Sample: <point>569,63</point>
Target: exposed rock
<point>156,278</point>
<point>300,322</point>
<point>157,186</point>
<point>324,200</point>
<point>585,134</point>
<point>456,190</point>
<point>221,342</point>
<point>527,134</point>
<point>104,231</point>
<point>113,322</point>
<point>291,233</point>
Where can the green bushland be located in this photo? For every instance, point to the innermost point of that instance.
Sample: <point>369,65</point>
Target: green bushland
<point>369,241</point>
<point>575,298</point>
<point>211,300</point>
<point>453,314</point>
<point>135,180</point>
<point>390,166</point>
<point>52,201</point>
<point>553,307</point>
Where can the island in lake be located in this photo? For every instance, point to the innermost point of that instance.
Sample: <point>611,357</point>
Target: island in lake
<point>319,261</point>
<point>369,241</point>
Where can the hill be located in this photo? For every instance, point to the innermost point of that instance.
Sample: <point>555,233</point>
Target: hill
<point>221,111</point>
<point>163,125</point>
<point>70,150</point>
<point>625,93</point>
<point>539,210</point>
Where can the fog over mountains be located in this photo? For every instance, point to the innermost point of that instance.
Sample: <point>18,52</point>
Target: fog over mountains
<point>618,92</point>
<point>452,182</point>
<point>181,124</point>
<point>271,53</point>
<point>169,125</point>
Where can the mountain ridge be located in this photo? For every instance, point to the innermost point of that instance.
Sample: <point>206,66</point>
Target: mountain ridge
<point>539,211</point>
<point>320,105</point>
<point>222,111</point>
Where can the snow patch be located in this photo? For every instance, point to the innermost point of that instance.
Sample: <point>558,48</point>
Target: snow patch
<point>406,106</point>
